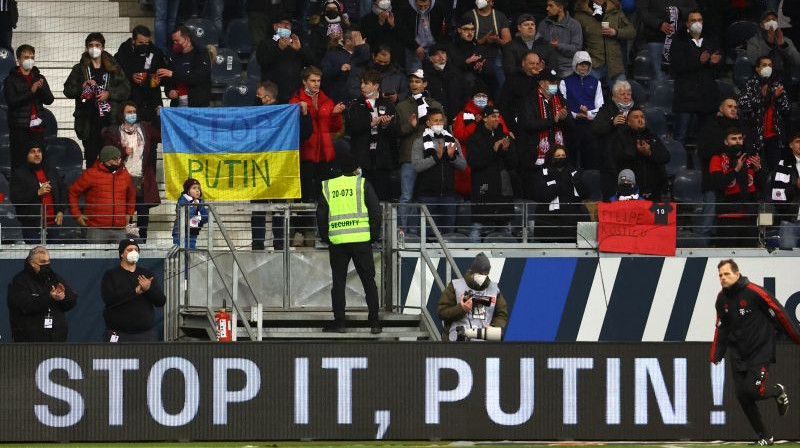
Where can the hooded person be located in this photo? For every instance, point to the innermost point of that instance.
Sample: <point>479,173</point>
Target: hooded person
<point>626,186</point>
<point>189,207</point>
<point>472,302</point>
<point>131,294</point>
<point>584,96</point>
<point>420,26</point>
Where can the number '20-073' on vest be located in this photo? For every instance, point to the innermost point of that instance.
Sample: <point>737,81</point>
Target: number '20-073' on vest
<point>348,217</point>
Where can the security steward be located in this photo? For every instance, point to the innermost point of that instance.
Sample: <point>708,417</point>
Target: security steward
<point>349,220</point>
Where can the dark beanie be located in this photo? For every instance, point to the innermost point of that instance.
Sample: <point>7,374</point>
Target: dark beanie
<point>35,143</point>
<point>188,184</point>
<point>347,162</point>
<point>480,264</point>
<point>125,243</point>
<point>109,152</point>
<point>480,87</point>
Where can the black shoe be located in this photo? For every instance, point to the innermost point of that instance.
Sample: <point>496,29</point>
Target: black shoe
<point>782,399</point>
<point>336,327</point>
<point>257,245</point>
<point>375,328</point>
<point>764,442</point>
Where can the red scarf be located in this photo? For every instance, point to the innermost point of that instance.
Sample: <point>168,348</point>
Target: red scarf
<point>29,80</point>
<point>47,200</point>
<point>544,136</point>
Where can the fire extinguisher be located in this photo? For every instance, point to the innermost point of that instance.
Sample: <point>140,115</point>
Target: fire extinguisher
<point>223,320</point>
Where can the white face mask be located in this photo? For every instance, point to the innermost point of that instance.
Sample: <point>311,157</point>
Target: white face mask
<point>27,64</point>
<point>385,4</point>
<point>439,66</point>
<point>696,28</point>
<point>765,72</point>
<point>479,278</point>
<point>771,25</point>
<point>437,128</point>
<point>95,52</point>
<point>132,257</point>
<point>480,4</point>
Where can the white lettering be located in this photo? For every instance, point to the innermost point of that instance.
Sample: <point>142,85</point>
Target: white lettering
<point>301,391</point>
<point>570,367</point>
<point>650,368</point>
<point>223,396</point>
<point>434,396</point>
<point>191,393</point>
<point>613,414</point>
<point>116,392</point>
<point>345,366</point>
<point>59,392</point>
<point>526,392</point>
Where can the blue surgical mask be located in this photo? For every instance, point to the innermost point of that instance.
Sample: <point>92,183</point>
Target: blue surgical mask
<point>480,101</point>
<point>283,33</point>
<point>130,118</point>
<point>552,89</point>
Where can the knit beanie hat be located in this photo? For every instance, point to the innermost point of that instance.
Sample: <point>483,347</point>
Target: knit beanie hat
<point>108,153</point>
<point>480,264</point>
<point>125,243</point>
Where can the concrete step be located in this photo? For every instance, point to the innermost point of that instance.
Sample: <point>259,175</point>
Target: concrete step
<point>68,41</point>
<point>66,8</point>
<point>69,25</point>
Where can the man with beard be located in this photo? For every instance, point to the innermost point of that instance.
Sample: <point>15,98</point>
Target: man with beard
<point>39,196</point>
<point>748,319</point>
<point>636,148</point>
<point>444,82</point>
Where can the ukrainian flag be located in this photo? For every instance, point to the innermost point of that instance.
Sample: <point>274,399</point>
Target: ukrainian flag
<point>237,153</point>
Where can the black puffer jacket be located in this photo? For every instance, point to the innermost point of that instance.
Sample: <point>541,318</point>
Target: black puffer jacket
<point>29,302</point>
<point>20,98</point>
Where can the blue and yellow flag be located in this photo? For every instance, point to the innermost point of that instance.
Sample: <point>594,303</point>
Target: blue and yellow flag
<point>237,153</point>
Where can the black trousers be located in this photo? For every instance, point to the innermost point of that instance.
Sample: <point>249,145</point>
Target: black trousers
<point>340,256</point>
<point>751,386</point>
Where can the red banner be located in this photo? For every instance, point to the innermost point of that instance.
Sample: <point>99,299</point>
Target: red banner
<point>637,227</point>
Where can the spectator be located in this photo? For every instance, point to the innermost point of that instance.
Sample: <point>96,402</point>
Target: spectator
<point>38,300</point>
<point>394,84</point>
<point>436,156</point>
<point>411,115</point>
<point>564,34</point>
<point>612,116</point>
<point>282,58</point>
<point>26,91</point>
<point>771,42</point>
<point>710,143</point>
<point>736,175</point>
<point>660,20</point>
<point>444,81</point>
<point>465,124</point>
<point>492,33</point>
<point>696,59</point>
<point>605,32</point>
<point>466,56</point>
<point>544,120</point>
<point>166,18</point>
<point>379,27</point>
<point>492,159</point>
<point>517,87</point>
<point>584,97</point>
<point>131,294</point>
<point>327,28</point>
<point>138,141</point>
<point>9,16</point>
<point>522,44</point>
<point>190,208</point>
<point>110,198</point>
<point>371,126</point>
<point>786,194</point>
<point>316,152</point>
<point>472,302</point>
<point>762,104</point>
<point>636,148</point>
<point>140,60</point>
<point>559,191</point>
<point>338,63</point>
<point>39,196</point>
<point>98,86</point>
<point>187,81</point>
<point>627,190</point>
<point>420,26</point>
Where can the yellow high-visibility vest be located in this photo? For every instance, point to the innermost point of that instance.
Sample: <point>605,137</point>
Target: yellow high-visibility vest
<point>348,219</point>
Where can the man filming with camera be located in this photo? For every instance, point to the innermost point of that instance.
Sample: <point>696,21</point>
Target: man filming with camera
<point>37,301</point>
<point>473,308</point>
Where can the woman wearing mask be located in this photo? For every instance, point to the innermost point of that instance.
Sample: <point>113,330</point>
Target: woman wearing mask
<point>194,215</point>
<point>611,116</point>
<point>138,140</point>
<point>560,190</point>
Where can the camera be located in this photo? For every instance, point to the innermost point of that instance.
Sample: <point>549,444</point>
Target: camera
<point>478,299</point>
<point>482,334</point>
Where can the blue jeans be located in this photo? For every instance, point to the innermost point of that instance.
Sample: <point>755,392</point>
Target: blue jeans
<point>680,127</point>
<point>705,222</point>
<point>443,209</point>
<point>655,51</point>
<point>166,16</point>
<point>602,75</point>
<point>408,177</point>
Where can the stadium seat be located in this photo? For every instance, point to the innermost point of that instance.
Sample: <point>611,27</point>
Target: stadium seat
<point>70,174</point>
<point>5,156</point>
<point>64,153</point>
<point>725,90</point>
<point>237,38</point>
<point>241,92</point>
<point>638,92</point>
<point>743,70</point>
<point>686,187</point>
<point>642,71</point>
<point>455,237</point>
<point>677,157</point>
<point>226,68</point>
<point>50,123</point>
<point>7,62</point>
<point>203,32</point>
<point>3,121</point>
<point>737,35</point>
<point>592,180</point>
<point>662,96</point>
<point>10,227</point>
<point>500,237</point>
<point>254,69</point>
<point>656,121</point>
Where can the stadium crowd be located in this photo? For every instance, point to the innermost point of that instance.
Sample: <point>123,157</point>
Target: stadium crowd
<point>488,102</point>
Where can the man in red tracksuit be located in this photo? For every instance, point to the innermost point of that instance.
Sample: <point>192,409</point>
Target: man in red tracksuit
<point>748,319</point>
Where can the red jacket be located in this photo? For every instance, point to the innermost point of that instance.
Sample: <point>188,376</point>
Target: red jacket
<point>319,147</point>
<point>463,128</point>
<point>109,196</point>
<point>152,136</point>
